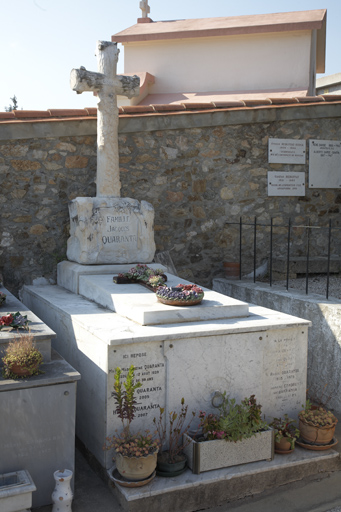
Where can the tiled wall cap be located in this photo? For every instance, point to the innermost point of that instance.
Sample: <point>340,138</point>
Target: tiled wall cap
<point>24,114</point>
<point>92,111</point>
<point>69,112</point>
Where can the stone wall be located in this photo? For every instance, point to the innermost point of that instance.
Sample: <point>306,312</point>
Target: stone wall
<point>200,170</point>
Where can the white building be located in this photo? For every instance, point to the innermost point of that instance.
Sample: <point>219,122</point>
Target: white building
<point>223,59</point>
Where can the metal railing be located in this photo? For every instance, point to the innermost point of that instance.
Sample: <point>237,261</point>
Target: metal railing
<point>329,229</point>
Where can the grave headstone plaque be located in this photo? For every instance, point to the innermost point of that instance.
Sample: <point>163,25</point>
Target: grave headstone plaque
<point>286,183</point>
<point>324,164</point>
<point>287,151</point>
<point>109,229</point>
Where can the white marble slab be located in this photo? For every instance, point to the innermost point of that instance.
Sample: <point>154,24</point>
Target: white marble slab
<point>287,151</point>
<point>139,304</point>
<point>324,163</point>
<point>286,183</point>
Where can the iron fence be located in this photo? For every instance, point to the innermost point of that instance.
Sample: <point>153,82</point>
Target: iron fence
<point>329,230</point>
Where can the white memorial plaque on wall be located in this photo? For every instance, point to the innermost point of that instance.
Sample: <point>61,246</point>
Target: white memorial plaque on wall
<point>324,163</point>
<point>287,151</point>
<point>286,183</point>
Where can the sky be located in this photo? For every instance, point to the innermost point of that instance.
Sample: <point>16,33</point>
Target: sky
<point>41,41</point>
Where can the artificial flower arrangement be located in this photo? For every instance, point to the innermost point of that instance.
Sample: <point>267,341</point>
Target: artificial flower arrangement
<point>143,274</point>
<point>14,321</point>
<point>182,294</point>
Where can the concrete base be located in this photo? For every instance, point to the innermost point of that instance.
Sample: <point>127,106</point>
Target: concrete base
<point>16,491</point>
<point>189,492</point>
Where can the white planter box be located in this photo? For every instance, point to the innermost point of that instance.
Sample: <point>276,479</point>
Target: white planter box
<point>16,491</point>
<point>216,454</point>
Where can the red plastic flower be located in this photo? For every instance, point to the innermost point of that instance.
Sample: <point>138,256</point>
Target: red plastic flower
<point>6,320</point>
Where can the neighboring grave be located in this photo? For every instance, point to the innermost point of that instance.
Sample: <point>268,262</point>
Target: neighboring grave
<point>109,229</point>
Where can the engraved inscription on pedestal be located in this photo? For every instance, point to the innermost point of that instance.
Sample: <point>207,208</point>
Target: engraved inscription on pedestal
<point>285,372</point>
<point>150,370</point>
<point>110,230</point>
<point>324,164</point>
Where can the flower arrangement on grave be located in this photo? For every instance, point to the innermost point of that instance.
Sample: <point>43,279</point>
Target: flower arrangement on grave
<point>286,433</point>
<point>2,298</point>
<point>14,321</point>
<point>171,430</point>
<point>180,295</point>
<point>135,453</point>
<point>234,421</point>
<point>143,274</point>
<point>22,358</point>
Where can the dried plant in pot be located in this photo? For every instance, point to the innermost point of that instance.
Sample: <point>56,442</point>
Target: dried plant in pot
<point>317,425</point>
<point>286,434</point>
<point>171,428</point>
<point>135,453</point>
<point>22,358</point>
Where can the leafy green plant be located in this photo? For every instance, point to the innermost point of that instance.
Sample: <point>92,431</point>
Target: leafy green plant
<point>234,421</point>
<point>173,443</point>
<point>285,428</point>
<point>128,443</point>
<point>23,353</point>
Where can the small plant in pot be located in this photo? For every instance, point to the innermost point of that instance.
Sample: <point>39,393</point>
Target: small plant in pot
<point>285,434</point>
<point>22,358</point>
<point>135,453</point>
<point>171,429</point>
<point>317,425</point>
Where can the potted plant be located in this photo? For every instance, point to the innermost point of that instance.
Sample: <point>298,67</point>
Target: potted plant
<point>135,453</point>
<point>171,461</point>
<point>285,434</point>
<point>237,435</point>
<point>316,424</point>
<point>22,358</point>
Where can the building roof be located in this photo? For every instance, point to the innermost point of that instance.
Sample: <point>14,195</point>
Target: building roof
<point>235,25</point>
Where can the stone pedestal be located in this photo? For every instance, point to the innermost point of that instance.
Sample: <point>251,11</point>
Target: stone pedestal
<point>259,352</point>
<point>110,230</point>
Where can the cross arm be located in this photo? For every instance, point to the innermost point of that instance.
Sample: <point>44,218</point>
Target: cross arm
<point>82,80</point>
<point>127,85</point>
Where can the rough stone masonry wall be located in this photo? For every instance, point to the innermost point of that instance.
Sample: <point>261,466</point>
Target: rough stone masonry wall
<point>199,170</point>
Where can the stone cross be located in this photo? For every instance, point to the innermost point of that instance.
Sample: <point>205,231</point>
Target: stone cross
<point>144,8</point>
<point>106,84</point>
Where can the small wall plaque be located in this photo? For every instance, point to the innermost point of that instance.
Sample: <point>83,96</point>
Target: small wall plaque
<point>286,183</point>
<point>287,151</point>
<point>324,164</point>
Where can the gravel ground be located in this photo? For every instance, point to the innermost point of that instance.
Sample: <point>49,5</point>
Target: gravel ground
<point>317,284</point>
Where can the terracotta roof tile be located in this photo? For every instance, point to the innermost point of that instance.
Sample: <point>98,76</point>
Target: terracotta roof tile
<point>331,97</point>
<point>168,108</point>
<point>198,106</point>
<point>92,111</point>
<point>7,115</point>
<point>283,101</point>
<point>228,104</point>
<point>56,112</point>
<point>136,109</point>
<point>309,99</point>
<point>24,114</point>
<point>257,103</point>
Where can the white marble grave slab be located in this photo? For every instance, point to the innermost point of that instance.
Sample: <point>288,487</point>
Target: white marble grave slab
<point>139,304</point>
<point>287,151</point>
<point>324,164</point>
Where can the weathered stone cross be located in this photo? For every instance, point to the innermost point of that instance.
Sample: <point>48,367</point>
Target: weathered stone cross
<point>144,8</point>
<point>107,84</point>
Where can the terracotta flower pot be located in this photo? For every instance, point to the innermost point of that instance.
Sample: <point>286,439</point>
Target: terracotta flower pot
<point>24,371</point>
<point>316,435</point>
<point>283,445</point>
<point>136,468</point>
